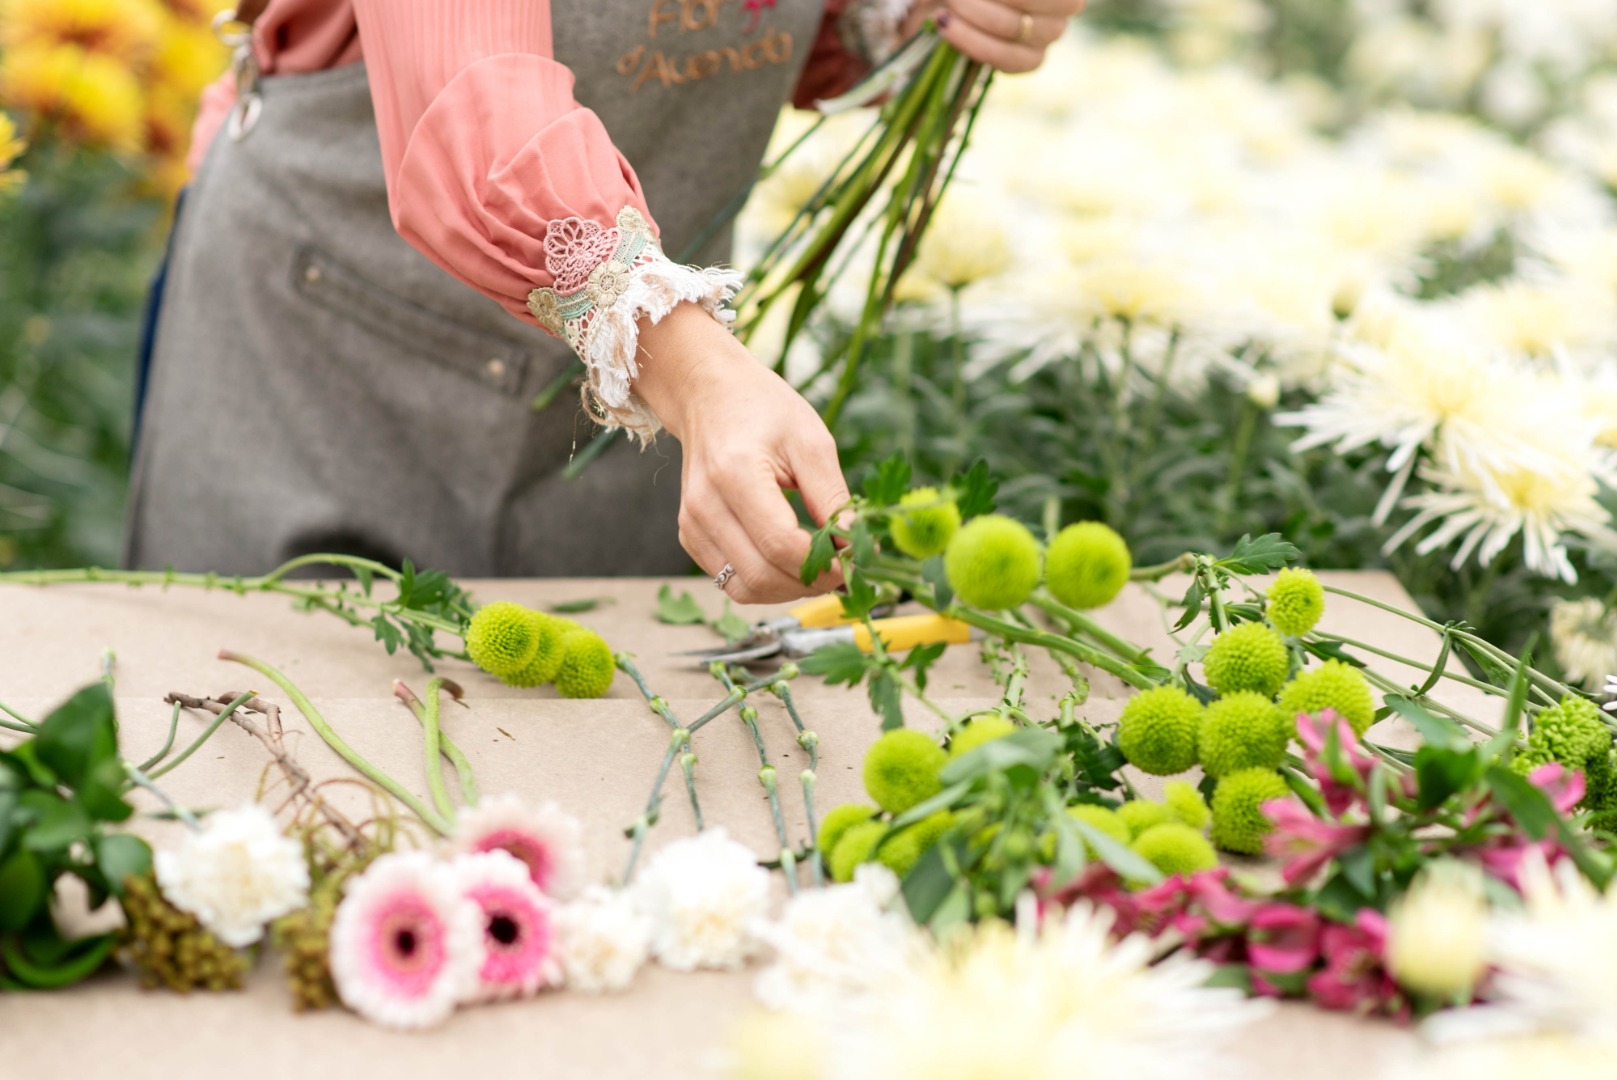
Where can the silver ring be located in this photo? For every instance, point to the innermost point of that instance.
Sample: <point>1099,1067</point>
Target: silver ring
<point>724,577</point>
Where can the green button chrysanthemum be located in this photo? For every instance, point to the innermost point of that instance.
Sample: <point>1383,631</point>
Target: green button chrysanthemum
<point>839,821</point>
<point>1238,821</point>
<point>904,848</point>
<point>901,769</point>
<point>925,531</point>
<point>1333,685</point>
<point>854,848</point>
<point>1186,803</point>
<point>587,667</point>
<point>1244,730</point>
<point>1250,656</point>
<point>1087,565</point>
<point>1296,601</point>
<point>1157,730</point>
<point>980,729</point>
<point>547,656</point>
<point>1175,848</point>
<point>1107,821</point>
<point>502,638</point>
<point>993,563</point>
<point>1141,814</point>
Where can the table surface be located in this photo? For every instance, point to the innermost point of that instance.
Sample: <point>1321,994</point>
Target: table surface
<point>596,758</point>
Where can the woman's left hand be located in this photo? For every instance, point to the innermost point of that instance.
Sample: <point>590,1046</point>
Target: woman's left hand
<point>1011,35</point>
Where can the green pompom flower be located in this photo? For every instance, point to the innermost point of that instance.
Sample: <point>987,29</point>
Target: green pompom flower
<point>993,563</point>
<point>1140,815</point>
<point>1186,803</point>
<point>1087,565</point>
<point>1157,730</point>
<point>1250,656</point>
<point>901,770</point>
<point>502,638</point>
<point>1238,821</point>
<point>904,848</point>
<point>1244,730</point>
<point>838,822</point>
<point>1104,819</point>
<point>854,848</point>
<point>547,656</point>
<point>1175,848</point>
<point>1296,601</point>
<point>1333,685</point>
<point>925,532</point>
<point>980,729</point>
<point>587,666</point>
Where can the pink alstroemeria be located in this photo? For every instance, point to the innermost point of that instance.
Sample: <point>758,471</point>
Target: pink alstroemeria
<point>1504,861</point>
<point>1306,841</point>
<point>1284,939</point>
<point>1564,787</point>
<point>1355,977</point>
<point>1210,894</point>
<point>1312,732</point>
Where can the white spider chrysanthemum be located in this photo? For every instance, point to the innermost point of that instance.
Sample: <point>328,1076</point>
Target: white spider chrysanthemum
<point>604,939</point>
<point>704,895</point>
<point>1544,496</point>
<point>1538,319</point>
<point>836,946</point>
<point>236,874</point>
<point>1040,1004</point>
<point>1584,635</point>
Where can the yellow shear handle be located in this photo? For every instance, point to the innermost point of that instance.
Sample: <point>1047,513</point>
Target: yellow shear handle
<point>820,612</point>
<point>908,631</point>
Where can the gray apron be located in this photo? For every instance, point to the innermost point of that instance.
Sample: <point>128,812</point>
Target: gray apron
<point>318,385</point>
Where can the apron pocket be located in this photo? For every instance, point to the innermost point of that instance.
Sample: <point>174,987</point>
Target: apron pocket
<point>489,360</point>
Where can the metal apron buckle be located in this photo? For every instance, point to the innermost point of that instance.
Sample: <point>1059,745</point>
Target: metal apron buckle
<point>244,68</point>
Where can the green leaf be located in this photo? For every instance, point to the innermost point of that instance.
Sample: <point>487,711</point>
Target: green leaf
<point>1031,748</point>
<point>1436,730</point>
<point>1231,977</point>
<point>730,626</point>
<point>1192,604</point>
<point>1443,771</point>
<point>102,793</point>
<point>943,800</point>
<point>57,822</point>
<point>975,491</point>
<point>928,885</point>
<point>1332,650</point>
<point>120,857</point>
<point>933,573</point>
<point>887,700</point>
<point>78,735</point>
<point>366,578</point>
<point>1129,864</point>
<point>578,607</point>
<point>822,553</point>
<point>1537,817</point>
<point>888,481</point>
<point>840,663</point>
<point>861,598</point>
<point>23,890</point>
<point>1268,552</point>
<point>387,633</point>
<point>920,659</point>
<point>681,610</point>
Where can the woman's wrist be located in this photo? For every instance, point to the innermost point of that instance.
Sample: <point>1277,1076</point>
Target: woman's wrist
<point>678,356</point>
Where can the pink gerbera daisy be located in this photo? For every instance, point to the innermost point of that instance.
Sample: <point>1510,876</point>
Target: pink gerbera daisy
<point>547,840</point>
<point>406,945</point>
<point>519,936</point>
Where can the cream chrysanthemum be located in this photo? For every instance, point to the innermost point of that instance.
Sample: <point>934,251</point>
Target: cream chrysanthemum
<point>235,875</point>
<point>604,939</point>
<point>406,945</point>
<point>838,945</point>
<point>704,895</point>
<point>547,839</point>
<point>1584,635</point>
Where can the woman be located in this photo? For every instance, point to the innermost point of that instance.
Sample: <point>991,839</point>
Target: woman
<point>319,382</point>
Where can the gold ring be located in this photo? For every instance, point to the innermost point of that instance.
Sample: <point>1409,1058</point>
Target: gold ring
<point>1025,34</point>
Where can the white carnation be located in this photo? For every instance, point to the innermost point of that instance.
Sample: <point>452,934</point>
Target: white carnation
<point>703,894</point>
<point>236,874</point>
<point>603,939</point>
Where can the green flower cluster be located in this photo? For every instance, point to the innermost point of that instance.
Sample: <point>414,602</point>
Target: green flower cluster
<point>1171,834</point>
<point>900,772</point>
<point>1296,601</point>
<point>1250,656</point>
<point>303,939</point>
<point>994,562</point>
<point>1574,735</point>
<point>170,948</point>
<point>1238,821</point>
<point>925,528</point>
<point>527,648</point>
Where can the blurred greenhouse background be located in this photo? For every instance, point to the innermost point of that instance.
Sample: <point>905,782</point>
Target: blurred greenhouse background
<point>1346,269</point>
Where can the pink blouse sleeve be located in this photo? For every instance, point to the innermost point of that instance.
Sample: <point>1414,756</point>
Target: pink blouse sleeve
<point>500,177</point>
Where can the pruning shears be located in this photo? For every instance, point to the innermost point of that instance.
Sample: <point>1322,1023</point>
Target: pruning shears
<point>820,622</point>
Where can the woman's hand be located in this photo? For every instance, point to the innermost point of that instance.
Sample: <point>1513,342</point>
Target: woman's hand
<point>746,435</point>
<point>1011,35</point>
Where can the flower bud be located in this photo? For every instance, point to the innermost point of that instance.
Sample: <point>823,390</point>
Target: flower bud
<point>1437,933</point>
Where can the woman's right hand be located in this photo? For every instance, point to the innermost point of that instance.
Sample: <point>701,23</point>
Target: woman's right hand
<point>746,435</point>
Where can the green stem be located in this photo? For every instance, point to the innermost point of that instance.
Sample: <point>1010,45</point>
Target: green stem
<point>12,725</point>
<point>28,725</point>
<point>140,779</point>
<point>168,743</point>
<point>1053,642</point>
<point>1464,680</point>
<point>335,741</point>
<point>659,705</point>
<point>432,748</point>
<point>1080,623</point>
<point>452,752</point>
<point>1184,564</point>
<point>207,733</point>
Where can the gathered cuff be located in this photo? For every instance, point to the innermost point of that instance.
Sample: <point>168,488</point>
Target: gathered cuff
<point>606,281</point>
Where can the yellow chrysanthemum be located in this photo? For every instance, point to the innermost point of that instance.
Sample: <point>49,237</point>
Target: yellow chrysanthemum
<point>126,30</point>
<point>189,57</point>
<point>96,98</point>
<point>11,148</point>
